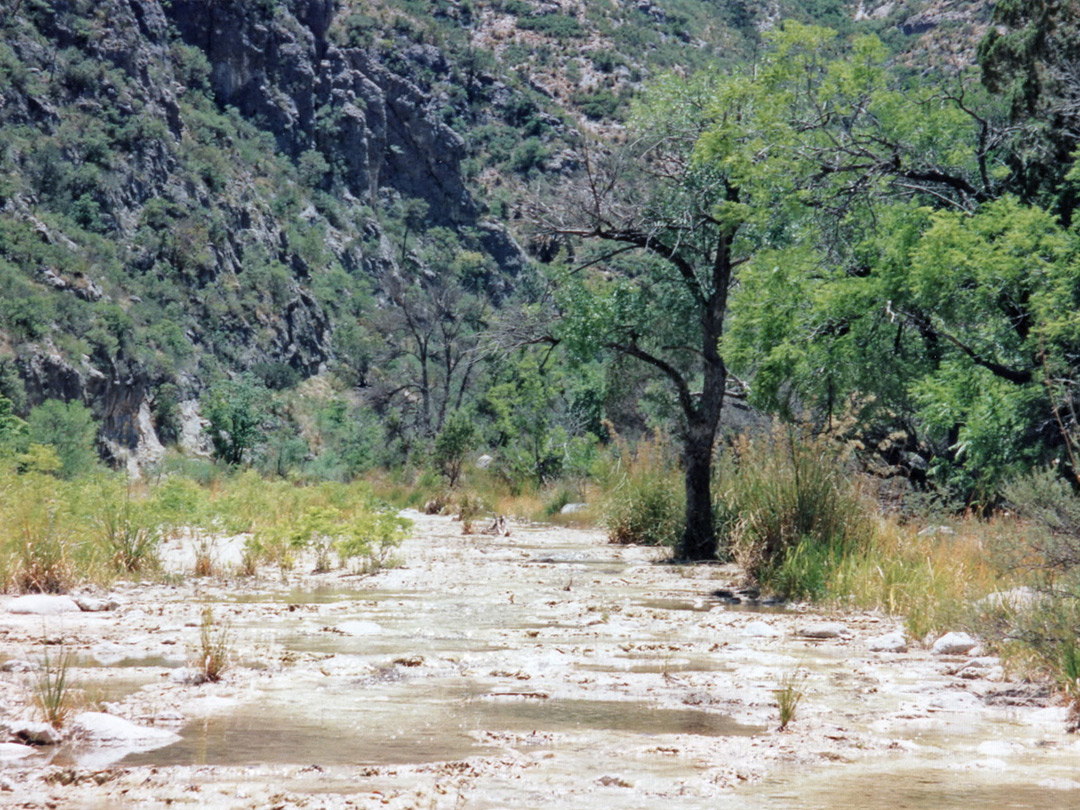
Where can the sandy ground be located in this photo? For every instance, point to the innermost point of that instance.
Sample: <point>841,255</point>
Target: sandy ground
<point>544,669</point>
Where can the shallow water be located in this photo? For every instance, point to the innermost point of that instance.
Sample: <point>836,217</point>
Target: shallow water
<point>401,725</point>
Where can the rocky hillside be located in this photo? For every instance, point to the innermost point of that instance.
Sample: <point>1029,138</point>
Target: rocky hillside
<point>193,188</point>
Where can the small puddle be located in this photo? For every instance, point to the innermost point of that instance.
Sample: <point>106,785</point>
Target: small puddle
<point>329,729</point>
<point>925,790</point>
<point>605,715</point>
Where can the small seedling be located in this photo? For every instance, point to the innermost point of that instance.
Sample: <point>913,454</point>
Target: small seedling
<point>54,696</point>
<point>788,697</point>
<point>214,648</point>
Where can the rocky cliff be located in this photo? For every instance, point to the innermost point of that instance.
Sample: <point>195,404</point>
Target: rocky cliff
<point>190,189</point>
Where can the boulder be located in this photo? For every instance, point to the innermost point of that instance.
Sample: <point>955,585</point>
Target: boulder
<point>890,642</point>
<point>95,604</point>
<point>760,629</point>
<point>1015,599</point>
<point>484,462</point>
<point>19,665</point>
<point>99,728</point>
<point>42,604</point>
<point>954,644</point>
<point>32,733</point>
<point>573,508</point>
<point>823,630</point>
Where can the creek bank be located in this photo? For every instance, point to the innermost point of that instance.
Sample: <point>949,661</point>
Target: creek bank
<point>546,668</point>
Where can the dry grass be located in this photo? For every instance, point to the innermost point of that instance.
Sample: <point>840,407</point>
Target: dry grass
<point>932,580</point>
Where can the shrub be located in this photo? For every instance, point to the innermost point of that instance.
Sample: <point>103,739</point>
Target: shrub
<point>130,532</point>
<point>453,444</point>
<point>791,513</point>
<point>54,696</point>
<point>647,506</point>
<point>69,427</point>
<point>215,646</point>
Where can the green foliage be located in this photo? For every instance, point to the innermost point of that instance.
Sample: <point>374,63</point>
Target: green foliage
<point>560,26</point>
<point>235,409</point>
<point>646,506</point>
<point>130,529</point>
<point>54,694</point>
<point>792,514</point>
<point>69,428</point>
<point>454,442</point>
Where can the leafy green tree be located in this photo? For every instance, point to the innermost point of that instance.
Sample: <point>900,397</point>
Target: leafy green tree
<point>453,444</point>
<point>69,427</point>
<point>706,185</point>
<point>12,428</point>
<point>938,311</point>
<point>235,409</point>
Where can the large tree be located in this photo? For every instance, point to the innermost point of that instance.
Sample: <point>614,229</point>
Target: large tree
<point>675,218</point>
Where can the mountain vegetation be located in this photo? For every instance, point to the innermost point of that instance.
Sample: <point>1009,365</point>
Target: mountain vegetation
<point>328,239</point>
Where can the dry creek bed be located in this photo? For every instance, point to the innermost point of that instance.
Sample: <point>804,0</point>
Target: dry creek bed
<point>541,669</point>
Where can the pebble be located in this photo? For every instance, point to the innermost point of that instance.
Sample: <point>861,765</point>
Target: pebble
<point>41,604</point>
<point>954,644</point>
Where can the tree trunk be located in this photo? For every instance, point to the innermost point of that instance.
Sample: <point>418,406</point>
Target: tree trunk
<point>699,537</point>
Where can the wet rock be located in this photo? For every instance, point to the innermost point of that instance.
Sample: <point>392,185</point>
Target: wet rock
<point>33,733</point>
<point>99,728</point>
<point>94,604</point>
<point>890,642</point>
<point>188,676</point>
<point>998,748</point>
<point>41,604</point>
<point>954,644</point>
<point>760,629</point>
<point>19,665</point>
<point>823,630</point>
<point>573,508</point>
<point>9,751</point>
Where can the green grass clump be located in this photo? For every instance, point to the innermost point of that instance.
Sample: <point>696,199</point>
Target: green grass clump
<point>54,696</point>
<point>646,504</point>
<point>788,697</point>
<point>789,512</point>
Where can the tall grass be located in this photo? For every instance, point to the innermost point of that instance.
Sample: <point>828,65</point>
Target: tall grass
<point>646,503</point>
<point>789,512</point>
<point>54,695</point>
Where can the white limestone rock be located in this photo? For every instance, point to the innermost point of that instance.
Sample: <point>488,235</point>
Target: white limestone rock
<point>890,642</point>
<point>42,604</point>
<point>954,644</point>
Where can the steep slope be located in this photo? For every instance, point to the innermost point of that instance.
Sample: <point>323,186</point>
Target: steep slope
<point>193,188</point>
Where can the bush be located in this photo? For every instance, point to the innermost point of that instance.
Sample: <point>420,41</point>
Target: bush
<point>789,513</point>
<point>453,444</point>
<point>648,505</point>
<point>70,428</point>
